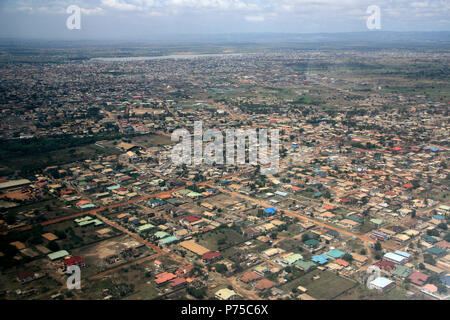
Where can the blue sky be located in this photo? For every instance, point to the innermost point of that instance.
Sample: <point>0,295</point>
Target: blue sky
<point>129,19</point>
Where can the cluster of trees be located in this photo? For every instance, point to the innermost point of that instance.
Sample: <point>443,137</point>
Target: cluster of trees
<point>198,293</point>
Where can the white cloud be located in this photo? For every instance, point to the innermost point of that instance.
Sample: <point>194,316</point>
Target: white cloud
<point>254,18</point>
<point>419,4</point>
<point>121,5</point>
<point>93,11</point>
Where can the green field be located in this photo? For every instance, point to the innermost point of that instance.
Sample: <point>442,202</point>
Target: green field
<point>328,286</point>
<point>221,238</point>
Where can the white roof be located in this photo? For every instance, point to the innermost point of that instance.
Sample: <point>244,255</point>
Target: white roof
<point>395,257</point>
<point>381,282</point>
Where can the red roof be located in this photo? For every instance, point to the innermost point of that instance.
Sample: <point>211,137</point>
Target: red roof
<point>443,244</point>
<point>73,260</point>
<point>418,278</point>
<point>341,262</point>
<point>264,284</point>
<point>192,218</point>
<point>177,281</point>
<point>211,255</point>
<point>386,265</point>
<point>24,275</point>
<point>407,185</point>
<point>182,270</point>
<point>397,149</point>
<point>250,276</point>
<point>164,277</point>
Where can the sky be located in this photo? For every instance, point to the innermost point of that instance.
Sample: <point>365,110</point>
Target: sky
<point>139,19</point>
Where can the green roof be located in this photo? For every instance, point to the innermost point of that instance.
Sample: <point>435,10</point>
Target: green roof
<point>260,269</point>
<point>312,242</point>
<point>155,200</point>
<point>193,194</point>
<point>353,219</point>
<point>58,254</point>
<point>168,240</point>
<point>293,258</point>
<point>89,205</point>
<point>305,265</point>
<point>88,220</point>
<point>376,221</point>
<point>428,238</point>
<point>436,250</point>
<point>335,253</point>
<point>402,271</point>
<point>145,227</point>
<point>161,234</point>
<point>156,182</point>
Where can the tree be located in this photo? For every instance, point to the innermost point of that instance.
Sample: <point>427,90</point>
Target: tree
<point>428,258</point>
<point>198,293</point>
<point>305,237</point>
<point>378,246</point>
<point>347,257</point>
<point>442,226</point>
<point>53,246</point>
<point>434,233</point>
<point>442,288</point>
<point>221,268</point>
<point>447,237</point>
<point>10,218</point>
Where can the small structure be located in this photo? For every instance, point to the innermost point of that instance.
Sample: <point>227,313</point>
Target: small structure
<point>381,284</point>
<point>226,294</point>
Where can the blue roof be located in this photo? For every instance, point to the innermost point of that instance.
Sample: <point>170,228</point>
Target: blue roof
<point>445,279</point>
<point>438,217</point>
<point>136,222</point>
<point>320,258</point>
<point>270,210</point>
<point>402,253</point>
<point>168,240</point>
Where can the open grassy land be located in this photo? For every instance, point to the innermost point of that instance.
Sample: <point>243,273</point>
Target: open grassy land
<point>221,238</point>
<point>29,157</point>
<point>328,286</point>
